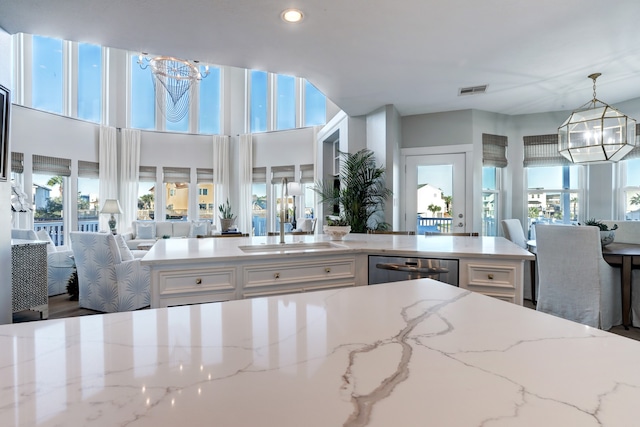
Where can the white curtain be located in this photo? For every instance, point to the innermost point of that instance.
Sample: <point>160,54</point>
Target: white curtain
<point>221,175</point>
<point>108,170</point>
<point>129,172</point>
<point>244,182</point>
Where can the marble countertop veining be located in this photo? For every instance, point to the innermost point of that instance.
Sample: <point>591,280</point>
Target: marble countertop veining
<point>408,353</point>
<point>222,249</point>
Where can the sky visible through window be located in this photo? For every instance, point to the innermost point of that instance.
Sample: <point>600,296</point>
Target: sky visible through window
<point>47,74</point>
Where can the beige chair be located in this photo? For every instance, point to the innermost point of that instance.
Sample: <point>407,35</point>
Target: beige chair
<point>512,230</point>
<point>575,282</point>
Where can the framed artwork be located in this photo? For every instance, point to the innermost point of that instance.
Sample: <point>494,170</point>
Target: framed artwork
<point>5,109</point>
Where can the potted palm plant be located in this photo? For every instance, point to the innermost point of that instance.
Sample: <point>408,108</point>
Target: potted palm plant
<point>362,193</point>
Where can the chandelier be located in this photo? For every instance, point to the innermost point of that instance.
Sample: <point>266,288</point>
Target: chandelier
<point>596,132</point>
<point>177,83</point>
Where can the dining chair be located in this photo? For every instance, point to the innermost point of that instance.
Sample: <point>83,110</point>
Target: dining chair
<point>512,230</point>
<point>574,280</point>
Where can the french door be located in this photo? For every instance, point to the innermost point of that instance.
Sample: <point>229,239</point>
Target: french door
<point>435,193</point>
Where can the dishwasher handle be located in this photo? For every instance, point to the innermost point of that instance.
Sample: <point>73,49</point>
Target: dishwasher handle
<point>411,268</point>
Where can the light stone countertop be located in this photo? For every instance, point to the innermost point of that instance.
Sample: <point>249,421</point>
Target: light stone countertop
<point>409,353</point>
<point>228,248</point>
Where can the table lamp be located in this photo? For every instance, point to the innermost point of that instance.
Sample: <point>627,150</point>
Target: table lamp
<point>111,206</point>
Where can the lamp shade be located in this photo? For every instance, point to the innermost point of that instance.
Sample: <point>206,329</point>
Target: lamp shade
<point>294,189</point>
<point>111,206</point>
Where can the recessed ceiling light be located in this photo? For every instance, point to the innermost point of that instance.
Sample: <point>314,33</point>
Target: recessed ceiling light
<point>292,15</point>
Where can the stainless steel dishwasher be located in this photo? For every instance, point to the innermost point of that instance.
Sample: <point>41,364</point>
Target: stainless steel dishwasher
<point>383,269</point>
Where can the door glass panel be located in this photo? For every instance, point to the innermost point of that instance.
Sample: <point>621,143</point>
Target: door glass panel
<point>432,182</point>
<point>434,198</point>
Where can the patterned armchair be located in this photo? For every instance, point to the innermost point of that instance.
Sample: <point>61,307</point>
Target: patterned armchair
<point>106,283</point>
<point>60,266</point>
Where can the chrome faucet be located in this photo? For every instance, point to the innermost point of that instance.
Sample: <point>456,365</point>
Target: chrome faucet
<point>283,208</point>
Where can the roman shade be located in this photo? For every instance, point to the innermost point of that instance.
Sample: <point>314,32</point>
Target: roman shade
<point>53,165</point>
<point>204,175</point>
<point>279,172</point>
<point>88,169</point>
<point>494,150</point>
<point>176,174</point>
<point>542,150</point>
<point>17,162</point>
<point>147,173</point>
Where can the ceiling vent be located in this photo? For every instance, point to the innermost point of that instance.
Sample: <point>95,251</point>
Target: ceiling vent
<point>472,90</point>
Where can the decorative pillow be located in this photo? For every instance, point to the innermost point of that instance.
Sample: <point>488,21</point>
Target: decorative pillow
<point>145,230</point>
<point>125,252</point>
<point>198,228</point>
<point>43,235</point>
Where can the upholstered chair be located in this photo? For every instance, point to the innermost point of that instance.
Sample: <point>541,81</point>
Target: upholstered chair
<point>575,282</point>
<point>60,265</point>
<point>106,282</point>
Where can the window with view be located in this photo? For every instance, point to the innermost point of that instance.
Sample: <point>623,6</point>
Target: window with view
<point>87,202</point>
<point>631,189</point>
<point>259,202</point>
<point>554,194</point>
<point>490,200</point>
<point>315,106</point>
<point>143,103</point>
<point>210,101</point>
<point>176,185</point>
<point>258,101</point>
<point>285,102</point>
<point>47,74</point>
<point>146,193</point>
<point>205,194</point>
<point>90,82</point>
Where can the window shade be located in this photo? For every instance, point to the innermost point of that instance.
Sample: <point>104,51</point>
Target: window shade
<point>494,150</point>
<point>306,173</point>
<point>204,175</point>
<point>17,162</point>
<point>259,175</point>
<point>88,169</point>
<point>171,174</point>
<point>279,172</point>
<point>52,165</point>
<point>147,173</point>
<point>542,150</point>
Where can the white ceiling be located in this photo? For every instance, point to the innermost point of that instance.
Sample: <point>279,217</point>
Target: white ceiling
<point>534,55</point>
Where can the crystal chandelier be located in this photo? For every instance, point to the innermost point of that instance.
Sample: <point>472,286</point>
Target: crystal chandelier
<point>177,83</point>
<point>596,132</point>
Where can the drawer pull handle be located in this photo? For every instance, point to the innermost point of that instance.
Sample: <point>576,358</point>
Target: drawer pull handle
<point>327,269</point>
<point>276,276</point>
<point>490,276</point>
<point>198,281</point>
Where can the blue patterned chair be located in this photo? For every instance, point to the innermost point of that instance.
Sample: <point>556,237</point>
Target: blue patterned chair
<point>106,282</point>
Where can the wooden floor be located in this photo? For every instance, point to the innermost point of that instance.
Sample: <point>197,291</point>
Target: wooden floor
<point>60,306</point>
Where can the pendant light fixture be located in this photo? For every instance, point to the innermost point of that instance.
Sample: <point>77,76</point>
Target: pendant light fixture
<point>596,132</point>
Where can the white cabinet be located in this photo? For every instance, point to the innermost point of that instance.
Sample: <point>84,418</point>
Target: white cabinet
<point>298,276</point>
<point>500,279</point>
<point>197,285</point>
<point>211,282</point>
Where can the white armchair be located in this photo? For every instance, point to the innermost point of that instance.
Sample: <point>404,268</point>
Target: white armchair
<point>575,282</point>
<point>60,266</point>
<point>105,282</point>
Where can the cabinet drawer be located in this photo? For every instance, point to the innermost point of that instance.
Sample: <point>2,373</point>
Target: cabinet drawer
<point>203,280</point>
<point>302,272</point>
<point>491,276</point>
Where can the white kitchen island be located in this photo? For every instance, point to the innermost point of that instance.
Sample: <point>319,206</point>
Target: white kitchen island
<point>412,353</point>
<point>187,271</point>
